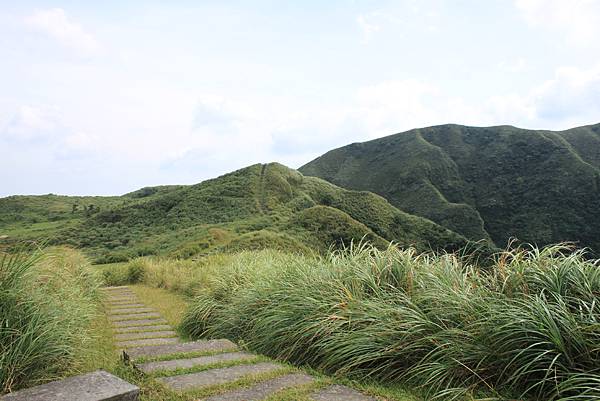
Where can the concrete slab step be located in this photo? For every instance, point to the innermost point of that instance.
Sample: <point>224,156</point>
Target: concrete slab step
<point>189,347</point>
<point>145,334</point>
<point>130,299</point>
<point>340,393</point>
<point>264,389</point>
<point>149,367</point>
<point>125,311</point>
<point>114,287</point>
<point>138,322</point>
<point>217,376</point>
<point>141,329</point>
<point>147,342</point>
<point>134,316</point>
<point>118,293</point>
<point>113,301</point>
<point>95,386</point>
<point>123,306</point>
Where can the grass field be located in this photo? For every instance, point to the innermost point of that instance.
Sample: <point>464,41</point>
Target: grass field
<point>48,301</point>
<point>525,328</point>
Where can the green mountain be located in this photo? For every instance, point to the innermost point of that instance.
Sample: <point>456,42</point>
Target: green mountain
<point>492,183</point>
<point>258,206</point>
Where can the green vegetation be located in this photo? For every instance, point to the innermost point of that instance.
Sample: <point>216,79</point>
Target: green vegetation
<point>47,302</point>
<point>528,328</point>
<point>259,207</point>
<point>502,182</point>
<point>187,277</point>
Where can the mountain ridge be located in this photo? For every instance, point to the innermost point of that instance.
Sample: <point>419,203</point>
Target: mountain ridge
<point>263,205</point>
<point>470,179</point>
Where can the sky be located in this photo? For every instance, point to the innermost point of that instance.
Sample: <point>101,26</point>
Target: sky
<point>103,98</point>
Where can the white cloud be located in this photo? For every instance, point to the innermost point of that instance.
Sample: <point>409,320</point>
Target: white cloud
<point>368,25</point>
<point>398,105</point>
<point>571,98</point>
<point>32,122</point>
<point>55,23</point>
<point>579,20</point>
<point>517,65</point>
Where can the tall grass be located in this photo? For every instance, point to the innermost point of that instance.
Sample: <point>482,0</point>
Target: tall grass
<point>47,300</point>
<point>527,328</point>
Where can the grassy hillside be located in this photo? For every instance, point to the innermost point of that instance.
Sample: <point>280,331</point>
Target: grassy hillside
<point>524,329</point>
<point>261,206</point>
<point>541,187</point>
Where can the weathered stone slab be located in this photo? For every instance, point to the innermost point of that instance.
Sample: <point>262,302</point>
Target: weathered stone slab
<point>194,346</point>
<point>117,295</point>
<point>141,329</point>
<point>133,316</point>
<point>120,294</point>
<point>124,311</point>
<point>127,305</point>
<point>217,376</point>
<point>145,334</point>
<point>147,342</point>
<point>194,362</point>
<point>96,386</point>
<point>131,304</point>
<point>264,389</point>
<point>113,301</point>
<point>340,393</point>
<point>138,322</point>
<point>122,300</point>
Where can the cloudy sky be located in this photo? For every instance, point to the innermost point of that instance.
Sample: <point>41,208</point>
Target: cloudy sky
<point>107,97</point>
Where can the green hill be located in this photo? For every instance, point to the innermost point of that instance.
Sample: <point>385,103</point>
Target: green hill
<point>261,206</point>
<point>497,182</point>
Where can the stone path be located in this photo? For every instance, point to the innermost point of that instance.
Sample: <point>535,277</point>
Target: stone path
<point>95,386</point>
<point>153,347</point>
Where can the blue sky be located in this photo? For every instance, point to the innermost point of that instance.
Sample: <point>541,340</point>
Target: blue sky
<point>107,97</point>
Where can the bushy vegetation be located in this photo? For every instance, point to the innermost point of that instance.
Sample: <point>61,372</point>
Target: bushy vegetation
<point>528,328</point>
<point>498,182</point>
<point>47,301</point>
<point>258,207</point>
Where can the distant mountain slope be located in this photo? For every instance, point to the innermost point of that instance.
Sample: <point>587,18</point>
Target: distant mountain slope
<point>495,182</point>
<point>255,207</point>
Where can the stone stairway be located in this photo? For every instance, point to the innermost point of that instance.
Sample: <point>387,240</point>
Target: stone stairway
<point>147,341</point>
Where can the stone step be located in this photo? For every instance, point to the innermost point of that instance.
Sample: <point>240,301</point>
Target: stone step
<point>147,342</point>
<point>145,334</point>
<point>95,386</point>
<point>113,301</point>
<point>122,301</point>
<point>134,316</point>
<point>217,376</point>
<point>127,305</point>
<point>115,287</point>
<point>189,347</point>
<point>141,329</point>
<point>138,322</point>
<point>149,367</point>
<point>340,393</point>
<point>124,311</point>
<point>117,291</point>
<point>264,389</point>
